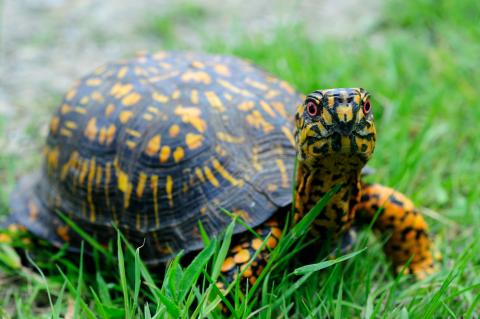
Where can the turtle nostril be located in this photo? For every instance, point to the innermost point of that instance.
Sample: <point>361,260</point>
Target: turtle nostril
<point>344,127</point>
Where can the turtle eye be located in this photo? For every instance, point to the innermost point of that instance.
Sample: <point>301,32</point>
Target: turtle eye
<point>367,107</point>
<point>312,109</point>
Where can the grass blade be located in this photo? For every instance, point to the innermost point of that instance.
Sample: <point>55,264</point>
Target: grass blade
<point>123,277</point>
<point>191,274</point>
<point>327,263</point>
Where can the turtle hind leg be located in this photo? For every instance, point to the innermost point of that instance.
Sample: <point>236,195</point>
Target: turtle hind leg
<point>400,218</point>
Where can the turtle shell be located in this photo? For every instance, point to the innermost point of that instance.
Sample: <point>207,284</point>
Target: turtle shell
<point>159,144</point>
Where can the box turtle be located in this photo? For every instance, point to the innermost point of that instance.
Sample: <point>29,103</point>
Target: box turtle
<point>161,142</point>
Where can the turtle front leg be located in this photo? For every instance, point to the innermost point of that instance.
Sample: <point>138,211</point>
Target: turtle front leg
<point>409,231</point>
<point>243,249</point>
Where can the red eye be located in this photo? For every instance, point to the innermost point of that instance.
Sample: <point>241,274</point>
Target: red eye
<point>312,109</point>
<point>366,106</point>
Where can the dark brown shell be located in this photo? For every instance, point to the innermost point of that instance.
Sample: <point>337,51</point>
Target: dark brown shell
<point>158,144</point>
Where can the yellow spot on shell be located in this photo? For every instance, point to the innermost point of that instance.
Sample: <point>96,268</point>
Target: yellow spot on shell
<point>142,179</point>
<point>221,69</point>
<point>229,86</point>
<point>188,111</point>
<point>91,129</point>
<point>199,174</point>
<point>169,189</point>
<point>122,180</point>
<point>122,72</point>
<point>163,77</point>
<point>91,176</point>
<point>160,55</point>
<point>280,108</point>
<point>81,110</point>
<point>131,144</point>
<point>110,134</point>
<point>65,108</point>
<point>283,173</point>
<point>244,215</point>
<point>70,94</point>
<point>154,187</point>
<point>287,87</point>
<point>220,151</point>
<point>164,154</point>
<point>84,100</point>
<point>266,107</point>
<point>178,154</point>
<point>109,109</point>
<point>102,136</point>
<point>153,145</point>
<point>191,115</point>
<point>54,124</point>
<point>214,101</point>
<point>147,117</point>
<point>198,65</point>
<point>194,97</point>
<point>174,130</point>
<point>271,94</point>
<point>83,172</point>
<point>133,133</point>
<point>197,77</point>
<point>125,116</point>
<point>256,120</point>
<point>100,69</point>
<point>71,125</point>
<point>225,174</point>
<point>176,94</point>
<point>223,136</point>
<point>211,178</point>
<point>97,97</point>
<point>159,97</point>
<point>119,90</point>
<point>288,134</point>
<point>94,82</point>
<point>52,157</point>
<point>131,99</point>
<point>65,132</point>
<point>256,84</point>
<point>193,141</point>
<point>246,106</point>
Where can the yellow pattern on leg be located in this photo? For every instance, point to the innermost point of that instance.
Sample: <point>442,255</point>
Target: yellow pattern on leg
<point>409,231</point>
<point>244,248</point>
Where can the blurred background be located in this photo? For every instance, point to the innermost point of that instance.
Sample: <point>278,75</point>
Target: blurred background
<point>419,59</point>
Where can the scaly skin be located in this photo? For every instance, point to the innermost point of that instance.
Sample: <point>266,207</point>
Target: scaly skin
<point>335,138</point>
<point>398,217</point>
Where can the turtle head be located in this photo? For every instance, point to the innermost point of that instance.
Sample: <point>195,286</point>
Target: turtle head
<point>334,126</point>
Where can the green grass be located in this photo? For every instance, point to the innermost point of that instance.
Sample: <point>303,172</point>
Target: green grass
<point>421,65</point>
